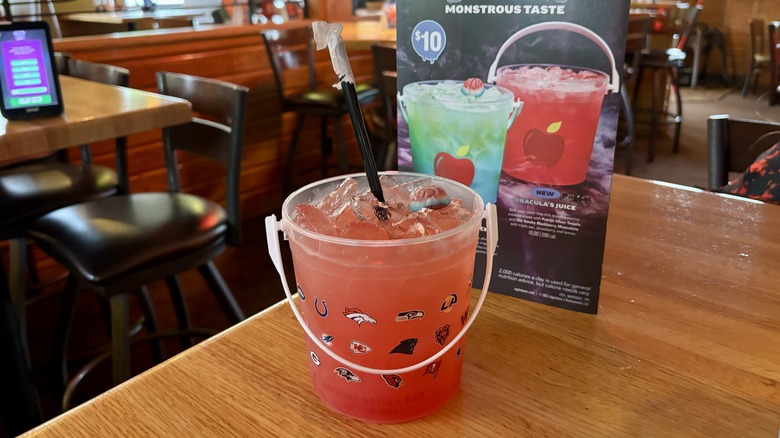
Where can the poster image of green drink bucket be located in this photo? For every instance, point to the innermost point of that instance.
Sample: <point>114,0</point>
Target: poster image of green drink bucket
<point>552,141</point>
<point>384,320</point>
<point>457,129</point>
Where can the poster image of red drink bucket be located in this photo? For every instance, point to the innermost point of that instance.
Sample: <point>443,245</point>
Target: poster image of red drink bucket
<point>552,140</point>
<point>384,319</point>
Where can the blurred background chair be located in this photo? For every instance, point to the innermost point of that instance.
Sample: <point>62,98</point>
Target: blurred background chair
<point>220,16</point>
<point>385,72</point>
<point>774,62</point>
<point>759,59</point>
<point>714,39</point>
<point>291,53</point>
<point>636,41</point>
<point>117,245</point>
<point>665,65</point>
<point>733,144</point>
<point>33,188</point>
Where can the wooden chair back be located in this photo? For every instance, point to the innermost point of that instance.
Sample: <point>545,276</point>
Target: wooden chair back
<point>385,71</point>
<point>733,144</point>
<point>291,52</point>
<point>111,75</point>
<point>215,132</point>
<point>61,60</point>
<point>757,29</point>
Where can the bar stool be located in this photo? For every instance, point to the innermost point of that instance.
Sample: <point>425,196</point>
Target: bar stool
<point>636,41</point>
<point>759,60</point>
<point>117,245</point>
<point>31,189</point>
<point>733,144</point>
<point>715,39</point>
<point>291,50</point>
<point>680,22</point>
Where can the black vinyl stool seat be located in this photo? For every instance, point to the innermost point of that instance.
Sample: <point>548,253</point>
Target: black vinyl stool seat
<point>292,50</point>
<point>117,245</point>
<point>29,189</point>
<point>666,64</point>
<point>126,235</point>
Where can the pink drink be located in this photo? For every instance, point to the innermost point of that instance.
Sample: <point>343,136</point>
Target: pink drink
<point>383,303</point>
<point>552,140</point>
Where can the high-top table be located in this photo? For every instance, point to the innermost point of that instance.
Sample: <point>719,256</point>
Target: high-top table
<point>686,343</point>
<point>93,112</point>
<point>131,19</point>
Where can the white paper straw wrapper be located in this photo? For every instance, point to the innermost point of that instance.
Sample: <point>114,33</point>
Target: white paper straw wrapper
<point>329,35</point>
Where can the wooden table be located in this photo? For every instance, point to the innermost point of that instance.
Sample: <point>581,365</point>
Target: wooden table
<point>93,112</point>
<point>132,18</point>
<point>686,343</point>
<point>361,35</point>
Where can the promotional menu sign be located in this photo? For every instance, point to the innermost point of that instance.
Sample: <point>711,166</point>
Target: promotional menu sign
<point>519,100</point>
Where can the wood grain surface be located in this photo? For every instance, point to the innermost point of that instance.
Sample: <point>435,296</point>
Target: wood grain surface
<point>125,17</point>
<point>686,343</point>
<point>361,35</point>
<point>93,112</point>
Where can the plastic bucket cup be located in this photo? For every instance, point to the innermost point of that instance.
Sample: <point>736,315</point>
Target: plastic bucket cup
<point>459,137</point>
<point>385,320</point>
<point>552,142</point>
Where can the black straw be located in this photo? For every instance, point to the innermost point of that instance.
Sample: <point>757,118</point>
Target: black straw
<point>364,144</point>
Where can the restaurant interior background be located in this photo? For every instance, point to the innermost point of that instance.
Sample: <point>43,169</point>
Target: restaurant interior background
<point>234,52</point>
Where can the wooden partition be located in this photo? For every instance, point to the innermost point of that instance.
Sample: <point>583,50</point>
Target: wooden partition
<point>230,53</point>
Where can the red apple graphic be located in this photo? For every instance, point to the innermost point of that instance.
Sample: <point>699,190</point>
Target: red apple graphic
<point>545,147</point>
<point>454,168</point>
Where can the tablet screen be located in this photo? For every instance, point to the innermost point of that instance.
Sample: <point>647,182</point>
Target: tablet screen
<point>28,80</point>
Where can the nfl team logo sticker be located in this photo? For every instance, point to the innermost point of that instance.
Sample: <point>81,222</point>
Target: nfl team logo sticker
<point>359,347</point>
<point>348,375</point>
<point>409,315</point>
<point>393,380</point>
<point>358,316</point>
<point>442,333</point>
<point>450,301</point>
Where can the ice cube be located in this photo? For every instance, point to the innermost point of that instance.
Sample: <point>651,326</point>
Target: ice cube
<point>407,228</point>
<point>363,206</point>
<point>337,200</point>
<point>442,219</point>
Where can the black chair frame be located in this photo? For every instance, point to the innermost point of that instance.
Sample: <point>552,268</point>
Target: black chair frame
<point>20,258</point>
<point>733,144</point>
<point>214,139</point>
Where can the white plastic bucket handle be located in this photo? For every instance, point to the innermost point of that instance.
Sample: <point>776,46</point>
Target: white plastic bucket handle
<point>272,228</point>
<point>614,82</point>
